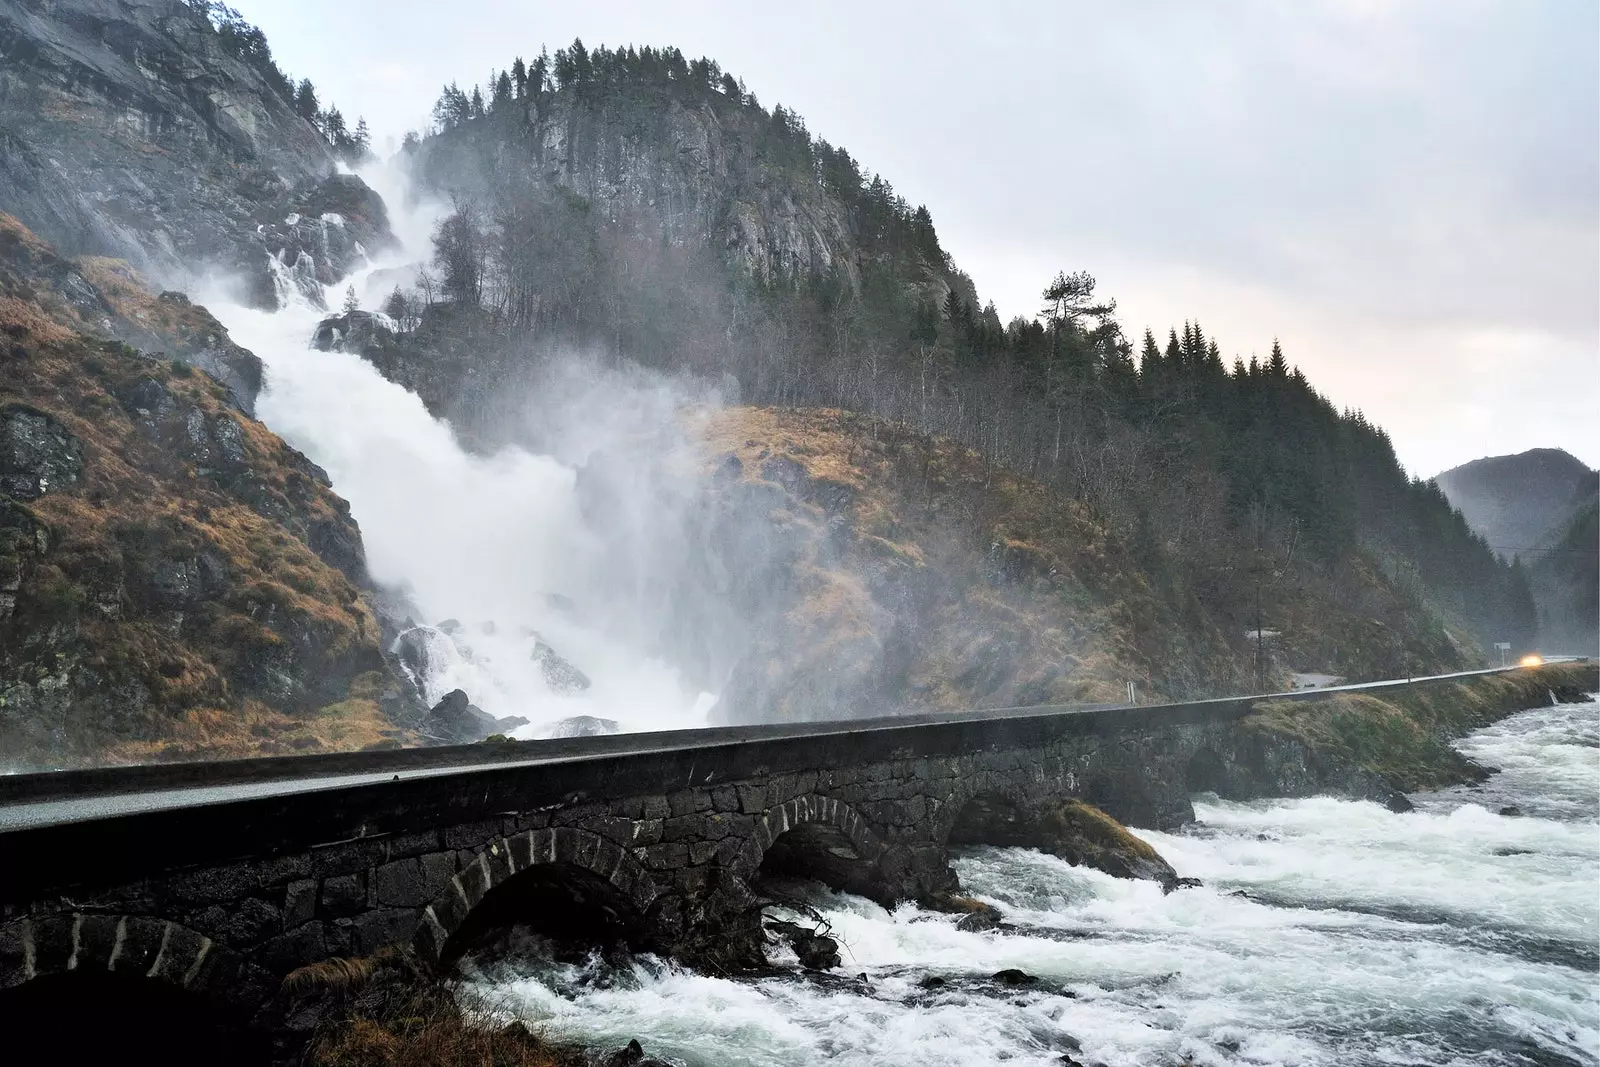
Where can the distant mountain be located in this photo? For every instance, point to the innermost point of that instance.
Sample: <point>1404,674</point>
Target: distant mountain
<point>1542,506</point>
<point>1521,504</point>
<point>1566,585</point>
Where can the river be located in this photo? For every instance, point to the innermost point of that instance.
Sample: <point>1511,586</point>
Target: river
<point>1326,932</point>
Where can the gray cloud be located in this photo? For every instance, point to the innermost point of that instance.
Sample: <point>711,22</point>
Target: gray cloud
<point>1407,194</point>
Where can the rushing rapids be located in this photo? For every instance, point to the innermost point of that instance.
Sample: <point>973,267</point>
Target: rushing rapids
<point>1327,932</point>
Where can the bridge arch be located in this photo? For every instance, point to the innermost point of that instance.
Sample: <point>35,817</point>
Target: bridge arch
<point>513,876</point>
<point>985,786</point>
<point>810,810</point>
<point>154,989</point>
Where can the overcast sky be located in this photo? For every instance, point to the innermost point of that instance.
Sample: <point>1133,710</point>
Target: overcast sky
<point>1407,194</point>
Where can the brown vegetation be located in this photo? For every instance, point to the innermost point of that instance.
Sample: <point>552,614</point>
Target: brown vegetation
<point>177,607</point>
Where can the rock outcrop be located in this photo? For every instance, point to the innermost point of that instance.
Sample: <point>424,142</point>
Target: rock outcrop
<point>174,579</point>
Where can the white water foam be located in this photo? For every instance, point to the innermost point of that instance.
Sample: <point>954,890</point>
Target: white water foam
<point>1328,932</point>
<point>484,540</point>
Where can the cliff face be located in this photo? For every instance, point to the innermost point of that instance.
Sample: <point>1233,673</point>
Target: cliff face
<point>127,130</point>
<point>688,168</point>
<point>174,579</point>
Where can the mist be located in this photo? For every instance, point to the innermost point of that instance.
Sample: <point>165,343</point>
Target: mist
<point>500,559</point>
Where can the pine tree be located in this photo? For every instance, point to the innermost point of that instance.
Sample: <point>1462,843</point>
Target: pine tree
<point>305,101</point>
<point>519,76</point>
<point>351,304</point>
<point>1277,366</point>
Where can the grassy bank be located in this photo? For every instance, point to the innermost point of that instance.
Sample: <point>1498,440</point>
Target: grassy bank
<point>1404,736</point>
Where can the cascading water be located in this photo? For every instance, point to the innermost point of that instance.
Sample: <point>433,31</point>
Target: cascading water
<point>1327,932</point>
<point>495,543</point>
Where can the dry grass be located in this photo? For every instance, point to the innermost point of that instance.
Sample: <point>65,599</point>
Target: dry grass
<point>1072,618</point>
<point>393,1016</point>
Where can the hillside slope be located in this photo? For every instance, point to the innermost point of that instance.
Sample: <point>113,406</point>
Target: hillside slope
<point>639,208</point>
<point>174,579</point>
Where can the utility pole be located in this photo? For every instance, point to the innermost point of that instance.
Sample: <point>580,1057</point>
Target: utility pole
<point>1261,663</point>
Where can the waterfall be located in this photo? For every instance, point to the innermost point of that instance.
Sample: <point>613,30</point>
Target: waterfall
<point>492,552</point>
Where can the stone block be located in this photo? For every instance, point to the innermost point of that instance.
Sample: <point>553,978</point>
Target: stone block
<point>348,857</point>
<point>279,870</point>
<point>344,894</point>
<point>684,828</point>
<point>305,944</point>
<point>241,925</point>
<point>403,845</point>
<point>724,798</point>
<point>139,941</point>
<point>647,832</point>
<point>299,902</point>
<point>702,851</point>
<point>54,940</point>
<point>656,807</point>
<point>16,952</point>
<point>471,835</point>
<point>178,955</point>
<point>665,856</point>
<point>231,882</point>
<point>752,799</point>
<point>682,802</point>
<point>382,926</point>
<point>615,827</point>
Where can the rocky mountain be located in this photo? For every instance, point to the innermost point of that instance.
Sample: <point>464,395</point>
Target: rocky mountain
<point>1521,504</point>
<point>174,579</point>
<point>129,128</point>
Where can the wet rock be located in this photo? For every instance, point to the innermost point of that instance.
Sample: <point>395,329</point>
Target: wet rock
<point>456,720</point>
<point>350,332</point>
<point>817,952</point>
<point>583,726</point>
<point>1512,851</point>
<point>558,673</point>
<point>979,916</point>
<point>1077,832</point>
<point>420,651</point>
<point>37,453</point>
<point>1511,811</point>
<point>1015,978</point>
<point>933,981</point>
<point>1399,803</point>
<point>632,1055</point>
<point>1180,883</point>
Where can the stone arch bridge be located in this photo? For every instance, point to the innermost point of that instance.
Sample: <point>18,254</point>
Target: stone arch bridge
<point>221,878</point>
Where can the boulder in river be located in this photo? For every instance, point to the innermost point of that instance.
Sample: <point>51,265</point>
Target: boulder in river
<point>816,951</point>
<point>1399,803</point>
